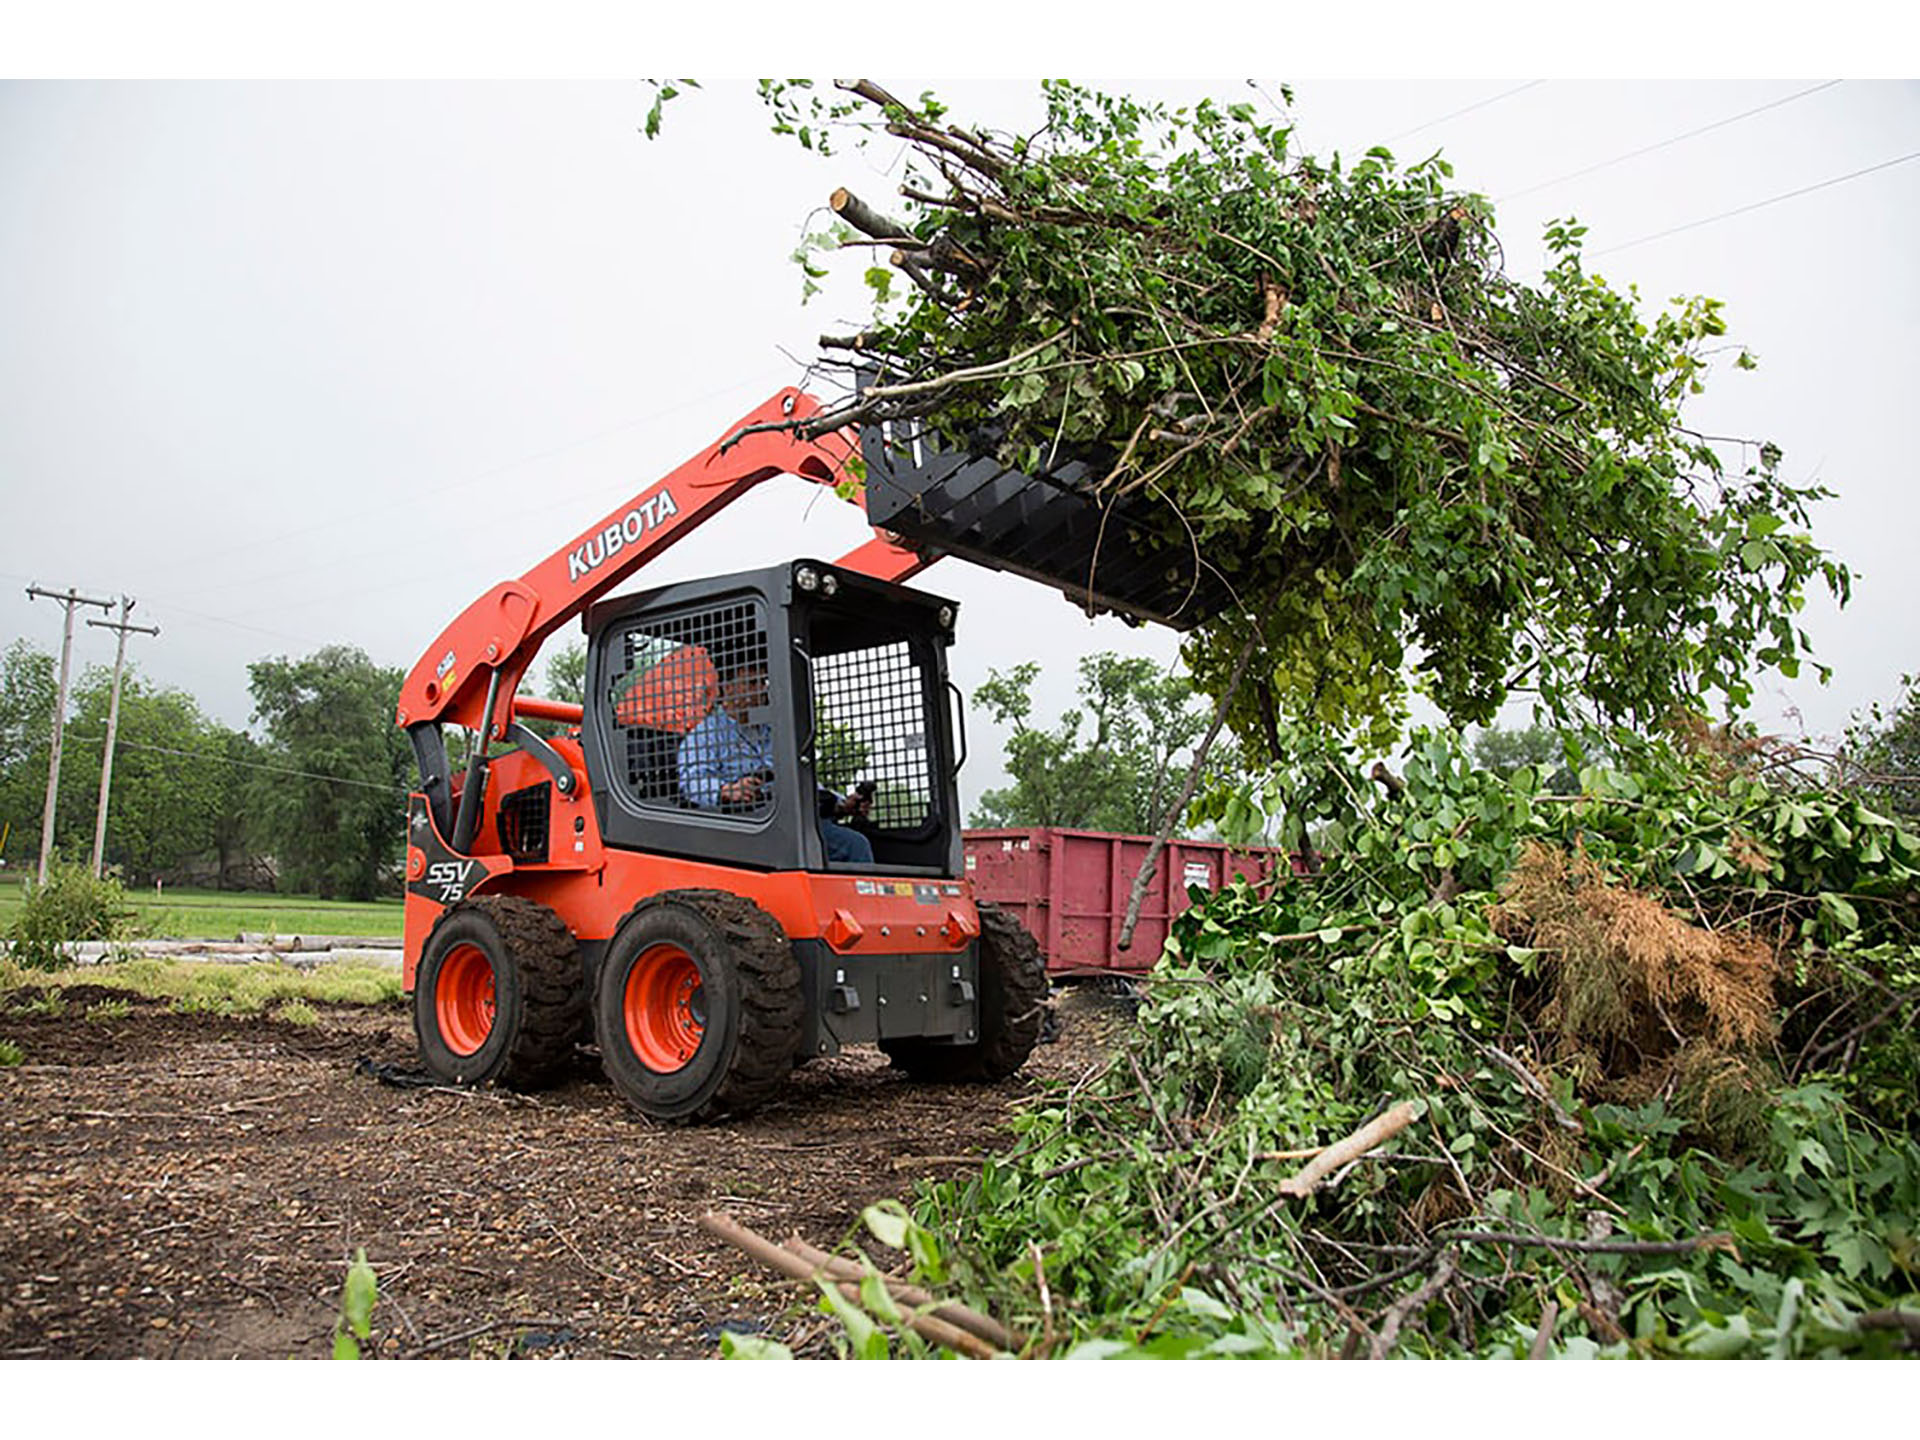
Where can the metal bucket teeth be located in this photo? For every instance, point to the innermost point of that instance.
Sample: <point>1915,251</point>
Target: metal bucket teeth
<point>1105,553</point>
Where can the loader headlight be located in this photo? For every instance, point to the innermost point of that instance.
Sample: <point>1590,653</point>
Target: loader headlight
<point>807,578</point>
<point>945,617</point>
<point>830,584</point>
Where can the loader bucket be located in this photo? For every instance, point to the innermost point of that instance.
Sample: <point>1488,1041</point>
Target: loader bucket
<point>1106,553</point>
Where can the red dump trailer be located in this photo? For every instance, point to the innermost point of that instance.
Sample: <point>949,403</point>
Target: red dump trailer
<point>1070,889</point>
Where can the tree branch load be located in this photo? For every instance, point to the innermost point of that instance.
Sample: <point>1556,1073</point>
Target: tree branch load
<point>1318,379</point>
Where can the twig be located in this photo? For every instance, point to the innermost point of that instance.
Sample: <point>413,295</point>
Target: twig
<point>1543,1337</point>
<point>1046,1298</point>
<point>1606,1170</point>
<point>1376,1132</point>
<point>1906,1321</point>
<point>908,1162</point>
<point>1398,1312</point>
<point>1716,1241</point>
<point>1362,1287</point>
<point>527,1321</point>
<point>1533,1087</point>
<point>401,1311</point>
<point>941,1332</point>
<point>1860,1031</point>
<point>1173,1293</point>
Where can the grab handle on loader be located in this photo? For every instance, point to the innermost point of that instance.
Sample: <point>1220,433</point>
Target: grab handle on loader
<point>960,724</point>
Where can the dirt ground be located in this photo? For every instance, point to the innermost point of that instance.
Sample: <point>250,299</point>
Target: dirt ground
<point>192,1186</point>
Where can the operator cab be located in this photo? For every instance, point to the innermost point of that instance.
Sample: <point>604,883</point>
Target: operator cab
<point>725,719</point>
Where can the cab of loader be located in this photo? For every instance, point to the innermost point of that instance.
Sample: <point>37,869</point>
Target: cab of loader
<point>820,681</point>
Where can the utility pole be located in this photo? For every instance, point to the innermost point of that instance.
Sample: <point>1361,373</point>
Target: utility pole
<point>70,599</point>
<point>113,722</point>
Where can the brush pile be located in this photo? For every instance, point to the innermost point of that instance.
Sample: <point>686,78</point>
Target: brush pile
<point>1389,451</point>
<point>1654,1041</point>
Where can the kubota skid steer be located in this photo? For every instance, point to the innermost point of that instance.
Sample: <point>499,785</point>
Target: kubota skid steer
<point>659,879</point>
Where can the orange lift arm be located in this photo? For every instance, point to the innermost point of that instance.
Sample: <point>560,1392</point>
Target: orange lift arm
<point>469,675</point>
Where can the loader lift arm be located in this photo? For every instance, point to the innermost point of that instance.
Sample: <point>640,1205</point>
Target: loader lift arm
<point>469,676</point>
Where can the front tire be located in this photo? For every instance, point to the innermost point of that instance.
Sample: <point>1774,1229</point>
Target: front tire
<point>1013,1002</point>
<point>698,1010</point>
<point>500,995</point>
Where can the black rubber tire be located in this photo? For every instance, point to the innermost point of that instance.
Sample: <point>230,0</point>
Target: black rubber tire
<point>750,990</point>
<point>539,986</point>
<point>1013,1003</point>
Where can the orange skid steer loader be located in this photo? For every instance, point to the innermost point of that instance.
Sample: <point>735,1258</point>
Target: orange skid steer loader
<point>745,850</point>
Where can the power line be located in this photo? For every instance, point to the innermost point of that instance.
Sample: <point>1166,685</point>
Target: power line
<point>1465,110</point>
<point>1759,204</point>
<point>244,764</point>
<point>1671,140</point>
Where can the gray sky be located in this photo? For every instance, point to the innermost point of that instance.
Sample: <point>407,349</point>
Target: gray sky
<point>305,363</point>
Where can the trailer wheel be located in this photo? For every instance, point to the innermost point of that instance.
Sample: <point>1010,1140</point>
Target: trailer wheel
<point>1013,1002</point>
<point>698,1009</point>
<point>500,994</point>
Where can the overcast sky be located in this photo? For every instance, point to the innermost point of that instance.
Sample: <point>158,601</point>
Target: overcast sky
<point>308,363</point>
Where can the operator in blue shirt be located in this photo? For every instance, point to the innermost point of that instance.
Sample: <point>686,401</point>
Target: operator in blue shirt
<point>727,761</point>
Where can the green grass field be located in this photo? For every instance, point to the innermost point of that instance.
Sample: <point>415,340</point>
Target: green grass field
<point>216,989</point>
<point>182,914</point>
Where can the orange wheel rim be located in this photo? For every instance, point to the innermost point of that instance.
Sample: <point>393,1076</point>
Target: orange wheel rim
<point>463,999</point>
<point>664,1008</point>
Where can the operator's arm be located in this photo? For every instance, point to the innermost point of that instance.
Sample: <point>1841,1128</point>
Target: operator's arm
<point>703,765</point>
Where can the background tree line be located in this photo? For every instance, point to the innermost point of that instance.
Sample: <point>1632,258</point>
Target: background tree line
<point>312,797</point>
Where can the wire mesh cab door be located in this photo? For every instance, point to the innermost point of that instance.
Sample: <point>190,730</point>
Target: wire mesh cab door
<point>689,694</point>
<point>879,711</point>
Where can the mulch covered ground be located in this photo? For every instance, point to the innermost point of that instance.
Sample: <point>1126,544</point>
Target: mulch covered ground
<point>193,1186</point>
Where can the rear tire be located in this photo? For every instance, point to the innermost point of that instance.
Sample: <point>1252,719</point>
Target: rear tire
<point>697,1009</point>
<point>500,995</point>
<point>1013,1002</point>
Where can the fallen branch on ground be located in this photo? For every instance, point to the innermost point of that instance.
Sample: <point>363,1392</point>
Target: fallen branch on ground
<point>758,1247</point>
<point>1374,1133</point>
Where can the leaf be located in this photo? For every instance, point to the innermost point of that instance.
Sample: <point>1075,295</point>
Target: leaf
<point>1198,1302</point>
<point>357,1296</point>
<point>737,1346</point>
<point>1783,1347</point>
<point>1099,1350</point>
<point>1840,911</point>
<point>1331,935</point>
<point>868,1340</point>
<point>1722,1342</point>
<point>344,1346</point>
<point>875,1296</point>
<point>888,1222</point>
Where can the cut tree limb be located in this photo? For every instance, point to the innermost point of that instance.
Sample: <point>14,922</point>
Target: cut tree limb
<point>1374,1133</point>
<point>954,1313</point>
<point>864,218</point>
<point>758,1247</point>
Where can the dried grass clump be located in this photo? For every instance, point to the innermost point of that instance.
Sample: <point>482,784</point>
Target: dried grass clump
<point>1628,982</point>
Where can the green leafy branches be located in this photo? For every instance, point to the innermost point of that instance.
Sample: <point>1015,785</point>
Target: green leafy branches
<point>1393,453</point>
<point>1655,1024</point>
